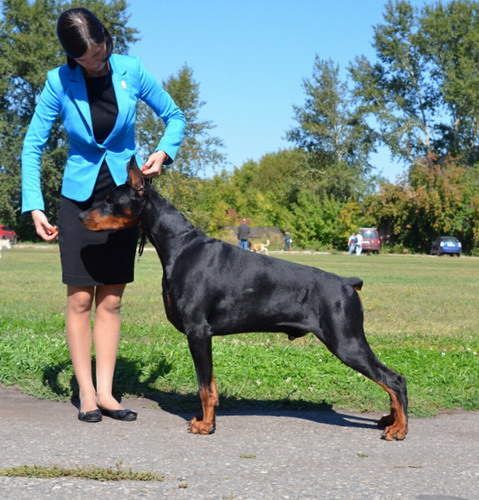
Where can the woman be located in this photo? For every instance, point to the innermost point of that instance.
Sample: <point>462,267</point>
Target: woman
<point>96,94</point>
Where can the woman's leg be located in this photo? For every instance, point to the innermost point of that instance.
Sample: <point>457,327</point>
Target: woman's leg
<point>106,336</point>
<point>78,327</point>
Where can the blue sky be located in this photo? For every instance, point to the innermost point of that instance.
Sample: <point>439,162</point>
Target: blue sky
<point>250,58</point>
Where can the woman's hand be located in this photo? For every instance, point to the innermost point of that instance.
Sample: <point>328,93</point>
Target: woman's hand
<point>44,229</point>
<point>152,167</point>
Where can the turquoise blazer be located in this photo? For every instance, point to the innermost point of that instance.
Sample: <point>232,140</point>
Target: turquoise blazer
<point>65,94</point>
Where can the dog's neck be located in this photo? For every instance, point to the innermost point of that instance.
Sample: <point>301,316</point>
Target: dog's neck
<point>166,227</point>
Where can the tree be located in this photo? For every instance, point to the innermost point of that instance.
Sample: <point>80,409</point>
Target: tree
<point>334,134</point>
<point>423,90</point>
<point>272,192</point>
<point>199,150</point>
<point>26,32</point>
<point>439,199</point>
<point>398,89</point>
<point>265,191</point>
<point>28,50</point>
<point>449,37</point>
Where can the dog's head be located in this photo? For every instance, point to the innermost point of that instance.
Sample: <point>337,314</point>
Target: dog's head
<point>122,208</point>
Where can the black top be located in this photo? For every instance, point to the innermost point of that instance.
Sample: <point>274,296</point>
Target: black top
<point>243,231</point>
<point>103,106</point>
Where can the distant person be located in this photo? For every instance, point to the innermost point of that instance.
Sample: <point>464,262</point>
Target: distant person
<point>359,244</point>
<point>288,241</point>
<point>243,235</point>
<point>352,244</point>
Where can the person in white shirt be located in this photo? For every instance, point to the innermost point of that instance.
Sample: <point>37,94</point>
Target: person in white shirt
<point>359,244</point>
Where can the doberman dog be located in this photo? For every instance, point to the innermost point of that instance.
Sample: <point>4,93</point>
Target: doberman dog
<point>211,287</point>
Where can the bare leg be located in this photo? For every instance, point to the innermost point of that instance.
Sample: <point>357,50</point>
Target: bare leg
<point>106,336</point>
<point>79,304</point>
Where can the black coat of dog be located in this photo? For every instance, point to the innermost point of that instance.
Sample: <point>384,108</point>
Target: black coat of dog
<point>213,288</point>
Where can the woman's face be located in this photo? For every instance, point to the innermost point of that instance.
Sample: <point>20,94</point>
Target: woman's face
<point>94,61</point>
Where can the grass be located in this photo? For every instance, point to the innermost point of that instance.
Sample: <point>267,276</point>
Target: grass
<point>85,472</point>
<point>420,319</point>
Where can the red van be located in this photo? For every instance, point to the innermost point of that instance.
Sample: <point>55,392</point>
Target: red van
<point>371,240</point>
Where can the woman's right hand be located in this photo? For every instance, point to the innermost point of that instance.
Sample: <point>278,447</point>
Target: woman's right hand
<point>44,229</point>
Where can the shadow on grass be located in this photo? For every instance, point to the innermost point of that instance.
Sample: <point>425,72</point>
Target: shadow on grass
<point>129,382</point>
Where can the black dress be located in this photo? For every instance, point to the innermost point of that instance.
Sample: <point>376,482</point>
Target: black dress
<point>96,258</point>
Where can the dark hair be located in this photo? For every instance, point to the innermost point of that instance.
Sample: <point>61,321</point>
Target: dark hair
<point>78,29</point>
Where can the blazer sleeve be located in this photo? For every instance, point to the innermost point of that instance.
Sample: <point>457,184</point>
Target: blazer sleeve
<point>46,112</point>
<point>163,105</point>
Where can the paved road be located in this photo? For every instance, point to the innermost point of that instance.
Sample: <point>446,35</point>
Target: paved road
<point>253,455</point>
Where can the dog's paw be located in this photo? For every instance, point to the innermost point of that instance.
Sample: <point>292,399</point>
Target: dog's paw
<point>394,429</point>
<point>198,426</point>
<point>394,434</point>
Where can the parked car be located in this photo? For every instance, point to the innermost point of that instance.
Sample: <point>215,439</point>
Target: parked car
<point>371,240</point>
<point>446,245</point>
<point>7,233</point>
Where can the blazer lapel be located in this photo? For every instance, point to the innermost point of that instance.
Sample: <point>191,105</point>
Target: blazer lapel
<point>80,98</point>
<point>122,93</point>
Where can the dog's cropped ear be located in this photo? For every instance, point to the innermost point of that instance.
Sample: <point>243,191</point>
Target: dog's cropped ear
<point>136,179</point>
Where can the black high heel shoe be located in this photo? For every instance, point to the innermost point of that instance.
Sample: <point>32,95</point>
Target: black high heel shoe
<point>90,416</point>
<point>126,414</point>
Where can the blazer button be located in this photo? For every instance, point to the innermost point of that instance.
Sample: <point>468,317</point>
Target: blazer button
<point>102,150</point>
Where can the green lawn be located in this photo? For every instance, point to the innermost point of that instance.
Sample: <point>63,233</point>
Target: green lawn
<point>421,319</point>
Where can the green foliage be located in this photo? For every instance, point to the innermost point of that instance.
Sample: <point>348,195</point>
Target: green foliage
<point>260,191</point>
<point>423,90</point>
<point>199,150</point>
<point>397,90</point>
<point>334,133</point>
<point>439,199</point>
<point>449,37</point>
<point>27,51</point>
<point>314,223</point>
<point>277,191</point>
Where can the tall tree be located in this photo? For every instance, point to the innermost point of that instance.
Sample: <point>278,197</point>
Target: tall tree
<point>423,89</point>
<point>27,49</point>
<point>199,150</point>
<point>449,36</point>
<point>398,90</point>
<point>333,133</point>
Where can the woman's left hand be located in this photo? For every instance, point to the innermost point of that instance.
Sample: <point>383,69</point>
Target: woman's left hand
<point>152,167</point>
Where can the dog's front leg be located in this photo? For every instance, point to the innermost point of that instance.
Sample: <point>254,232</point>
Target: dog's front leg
<point>201,352</point>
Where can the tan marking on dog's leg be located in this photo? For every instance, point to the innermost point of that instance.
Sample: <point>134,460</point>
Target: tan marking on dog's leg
<point>395,423</point>
<point>205,423</point>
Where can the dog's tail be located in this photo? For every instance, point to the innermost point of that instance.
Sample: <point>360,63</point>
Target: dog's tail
<point>356,283</point>
<point>267,243</point>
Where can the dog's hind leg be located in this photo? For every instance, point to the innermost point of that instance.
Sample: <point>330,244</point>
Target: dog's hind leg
<point>201,352</point>
<point>354,351</point>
